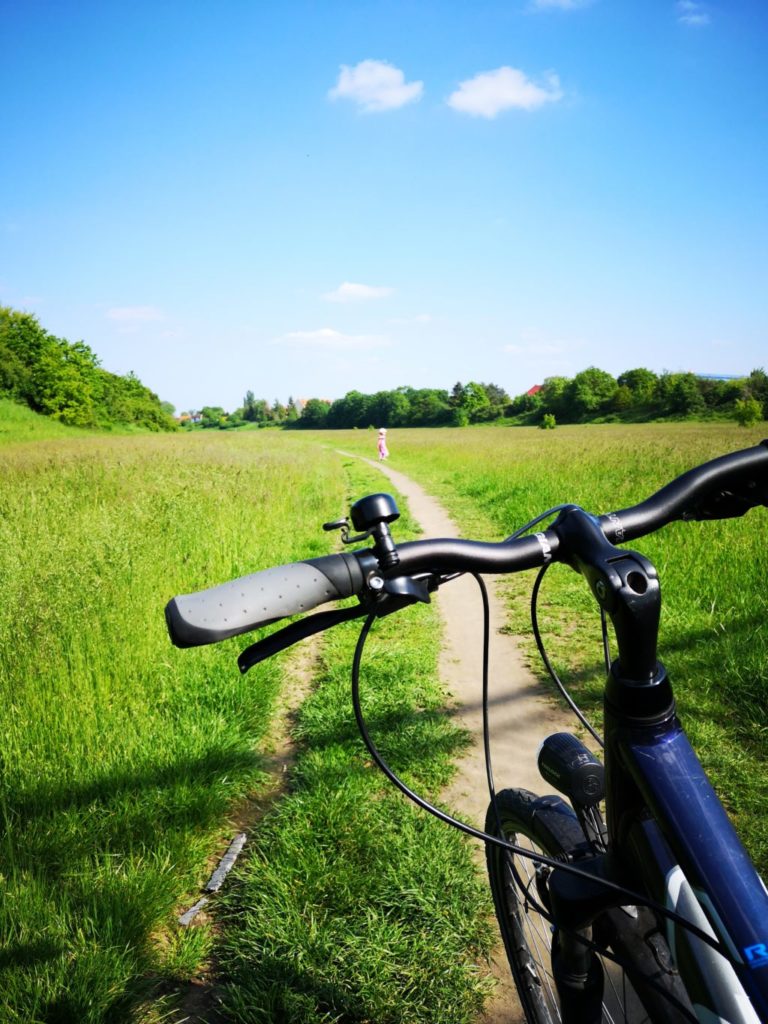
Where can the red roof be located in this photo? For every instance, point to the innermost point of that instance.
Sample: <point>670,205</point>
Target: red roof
<point>535,389</point>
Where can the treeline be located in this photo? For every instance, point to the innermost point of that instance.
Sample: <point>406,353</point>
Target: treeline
<point>593,395</point>
<point>410,407</point>
<point>64,380</point>
<point>253,410</point>
<point>640,395</point>
<point>403,407</point>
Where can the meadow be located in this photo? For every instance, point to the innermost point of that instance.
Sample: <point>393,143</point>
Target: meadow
<point>714,628</point>
<point>127,764</point>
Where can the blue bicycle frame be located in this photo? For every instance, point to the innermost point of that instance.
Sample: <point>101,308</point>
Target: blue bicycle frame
<point>665,824</point>
<point>690,858</point>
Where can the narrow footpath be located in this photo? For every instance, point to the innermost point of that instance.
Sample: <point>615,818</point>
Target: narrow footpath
<point>521,713</point>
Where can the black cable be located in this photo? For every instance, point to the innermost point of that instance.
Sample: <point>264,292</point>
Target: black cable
<point>548,664</point>
<point>627,895</point>
<point>606,641</point>
<point>535,522</point>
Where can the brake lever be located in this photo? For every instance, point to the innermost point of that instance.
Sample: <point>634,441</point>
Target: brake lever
<point>293,632</point>
<point>396,594</point>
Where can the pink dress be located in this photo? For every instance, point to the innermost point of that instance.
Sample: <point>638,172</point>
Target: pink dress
<point>383,450</point>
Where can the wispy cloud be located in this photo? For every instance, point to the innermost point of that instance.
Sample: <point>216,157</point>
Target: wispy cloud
<point>135,314</point>
<point>691,13</point>
<point>375,85</point>
<point>491,92</point>
<point>350,292</point>
<point>328,338</point>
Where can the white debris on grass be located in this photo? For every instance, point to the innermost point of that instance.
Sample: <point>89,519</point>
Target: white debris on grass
<point>216,880</point>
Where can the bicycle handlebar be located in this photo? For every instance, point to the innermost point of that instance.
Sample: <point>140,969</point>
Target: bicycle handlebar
<point>244,604</point>
<point>724,487</point>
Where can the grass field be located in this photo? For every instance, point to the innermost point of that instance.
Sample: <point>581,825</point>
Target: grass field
<point>120,759</point>
<point>123,758</point>
<point>714,631</point>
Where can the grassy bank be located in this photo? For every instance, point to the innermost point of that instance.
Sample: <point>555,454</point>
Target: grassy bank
<point>714,633</point>
<point>19,423</point>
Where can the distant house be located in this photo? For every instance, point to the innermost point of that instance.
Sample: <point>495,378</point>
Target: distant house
<point>535,389</point>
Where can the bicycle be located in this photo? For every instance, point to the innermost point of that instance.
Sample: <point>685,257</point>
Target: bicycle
<point>633,898</point>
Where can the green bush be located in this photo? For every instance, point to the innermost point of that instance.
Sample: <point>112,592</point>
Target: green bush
<point>747,412</point>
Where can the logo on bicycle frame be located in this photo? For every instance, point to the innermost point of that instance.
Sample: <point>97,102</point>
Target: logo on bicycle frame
<point>617,526</point>
<point>757,956</point>
<point>546,549</point>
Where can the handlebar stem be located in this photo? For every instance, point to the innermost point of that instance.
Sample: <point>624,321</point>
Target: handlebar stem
<point>626,586</point>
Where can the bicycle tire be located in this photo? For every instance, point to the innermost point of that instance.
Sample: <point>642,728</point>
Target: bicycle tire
<point>547,825</point>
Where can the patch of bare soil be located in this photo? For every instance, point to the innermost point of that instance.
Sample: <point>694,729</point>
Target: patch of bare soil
<point>522,713</point>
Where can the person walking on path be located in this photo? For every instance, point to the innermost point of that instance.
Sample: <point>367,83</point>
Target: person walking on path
<point>383,450</point>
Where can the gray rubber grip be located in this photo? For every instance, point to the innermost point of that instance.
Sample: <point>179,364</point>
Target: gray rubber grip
<point>252,601</point>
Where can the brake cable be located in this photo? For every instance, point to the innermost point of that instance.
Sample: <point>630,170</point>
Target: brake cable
<point>627,895</point>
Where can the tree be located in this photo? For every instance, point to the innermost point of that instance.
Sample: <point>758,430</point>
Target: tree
<point>498,400</point>
<point>684,395</point>
<point>590,392</point>
<point>640,383</point>
<point>622,398</point>
<point>476,402</point>
<point>389,409</point>
<point>353,410</point>
<point>747,412</point>
<point>212,416</point>
<point>757,386</point>
<point>249,407</point>
<point>65,380</point>
<point>314,414</point>
<point>429,407</point>
<point>553,395</point>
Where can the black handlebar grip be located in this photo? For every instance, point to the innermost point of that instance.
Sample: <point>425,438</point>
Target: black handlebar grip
<point>251,601</point>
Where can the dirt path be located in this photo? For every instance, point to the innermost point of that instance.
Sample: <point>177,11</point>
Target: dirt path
<point>521,714</point>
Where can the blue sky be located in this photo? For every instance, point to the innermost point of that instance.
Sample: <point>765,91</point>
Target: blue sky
<point>302,198</point>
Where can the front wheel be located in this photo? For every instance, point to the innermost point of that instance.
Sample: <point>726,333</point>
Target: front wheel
<point>545,825</point>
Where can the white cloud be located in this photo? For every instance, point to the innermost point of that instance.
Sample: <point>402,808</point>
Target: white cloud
<point>691,13</point>
<point>135,314</point>
<point>349,292</point>
<point>490,92</point>
<point>375,85</point>
<point>328,338</point>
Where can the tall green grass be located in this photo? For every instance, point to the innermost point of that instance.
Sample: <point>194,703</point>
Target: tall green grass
<point>119,758</point>
<point>353,905</point>
<point>19,423</point>
<point>714,630</point>
<point>123,757</point>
